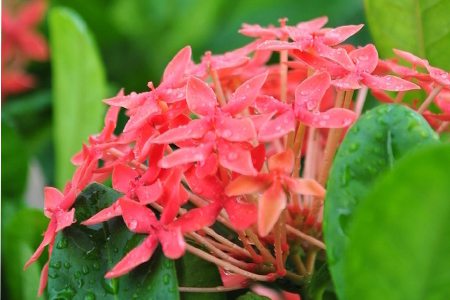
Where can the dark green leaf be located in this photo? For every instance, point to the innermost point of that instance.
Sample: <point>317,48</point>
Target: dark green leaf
<point>15,163</point>
<point>205,275</point>
<point>372,145</point>
<point>78,87</point>
<point>20,237</point>
<point>83,255</point>
<point>399,246</point>
<point>419,26</point>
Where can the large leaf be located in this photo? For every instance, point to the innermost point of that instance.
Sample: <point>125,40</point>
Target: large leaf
<point>372,145</point>
<point>78,87</point>
<point>206,275</point>
<point>399,246</point>
<point>419,26</point>
<point>20,236</point>
<point>83,255</point>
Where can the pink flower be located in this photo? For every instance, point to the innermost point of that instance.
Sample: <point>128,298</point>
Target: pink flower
<point>273,185</point>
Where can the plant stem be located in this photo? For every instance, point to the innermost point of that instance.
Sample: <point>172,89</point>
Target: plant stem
<point>305,237</point>
<point>429,99</point>
<point>249,247</point>
<point>360,100</point>
<point>310,260</point>
<point>278,251</point>
<point>217,289</point>
<point>299,265</point>
<point>226,265</point>
<point>442,127</point>
<point>218,87</point>
<point>298,142</point>
<point>263,250</point>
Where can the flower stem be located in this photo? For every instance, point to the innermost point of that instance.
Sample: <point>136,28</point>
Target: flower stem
<point>218,87</point>
<point>263,250</point>
<point>429,99</point>
<point>278,251</point>
<point>360,100</point>
<point>217,289</point>
<point>311,260</point>
<point>298,142</point>
<point>442,127</point>
<point>304,236</point>
<point>226,265</point>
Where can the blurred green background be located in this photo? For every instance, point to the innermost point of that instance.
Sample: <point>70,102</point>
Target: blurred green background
<point>135,40</point>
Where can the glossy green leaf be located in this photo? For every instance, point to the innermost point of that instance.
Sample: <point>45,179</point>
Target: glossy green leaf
<point>20,237</point>
<point>83,255</point>
<point>399,246</point>
<point>78,87</point>
<point>206,275</point>
<point>372,145</point>
<point>419,26</point>
<point>15,163</point>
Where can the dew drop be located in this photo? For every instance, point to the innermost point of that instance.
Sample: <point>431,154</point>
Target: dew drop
<point>363,58</point>
<point>353,147</point>
<point>166,279</point>
<point>67,265</point>
<point>80,283</point>
<point>96,265</point>
<point>133,224</point>
<point>52,275</point>
<point>55,265</point>
<point>62,243</point>
<point>85,270</point>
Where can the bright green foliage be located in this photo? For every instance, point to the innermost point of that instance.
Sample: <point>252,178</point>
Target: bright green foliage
<point>399,246</point>
<point>20,237</point>
<point>78,87</point>
<point>196,272</point>
<point>419,26</point>
<point>372,145</point>
<point>82,256</point>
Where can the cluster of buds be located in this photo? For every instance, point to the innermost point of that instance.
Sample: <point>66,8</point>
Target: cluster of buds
<point>21,43</point>
<point>246,142</point>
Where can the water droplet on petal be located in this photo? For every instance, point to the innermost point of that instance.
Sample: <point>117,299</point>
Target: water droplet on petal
<point>226,133</point>
<point>232,156</point>
<point>133,224</point>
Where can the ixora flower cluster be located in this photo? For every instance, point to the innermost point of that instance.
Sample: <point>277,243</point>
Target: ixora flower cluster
<point>246,142</point>
<point>21,43</point>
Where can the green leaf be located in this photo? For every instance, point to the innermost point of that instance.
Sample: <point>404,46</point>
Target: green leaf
<point>419,26</point>
<point>20,237</point>
<point>15,167</point>
<point>78,87</point>
<point>83,255</point>
<point>206,275</point>
<point>399,246</point>
<point>371,147</point>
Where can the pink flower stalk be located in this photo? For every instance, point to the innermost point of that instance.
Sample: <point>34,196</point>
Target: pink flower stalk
<point>228,137</point>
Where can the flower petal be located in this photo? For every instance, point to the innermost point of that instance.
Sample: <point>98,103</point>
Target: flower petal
<point>411,58</point>
<point>43,279</point>
<point>200,97</point>
<point>104,215</point>
<point>241,214</point>
<point>197,218</point>
<point>195,129</point>
<point>49,237</point>
<point>365,58</point>
<point>332,118</point>
<point>209,187</point>
<point>65,219</point>
<point>135,257</point>
<point>388,83</point>
<point>137,217</point>
<point>310,92</point>
<point>122,176</point>
<point>269,104</point>
<point>235,130</point>
<point>277,127</point>
<point>149,193</point>
<point>245,95</point>
<point>52,199</point>
<point>172,242</point>
<point>283,161</point>
<point>339,34</point>
<point>304,186</point>
<point>235,158</point>
<point>207,167</point>
<point>184,156</point>
<point>244,185</point>
<point>270,206</point>
<point>176,68</point>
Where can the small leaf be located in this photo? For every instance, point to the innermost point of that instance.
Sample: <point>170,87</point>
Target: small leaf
<point>418,26</point>
<point>78,87</point>
<point>371,147</point>
<point>399,242</point>
<point>82,256</point>
<point>205,275</point>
